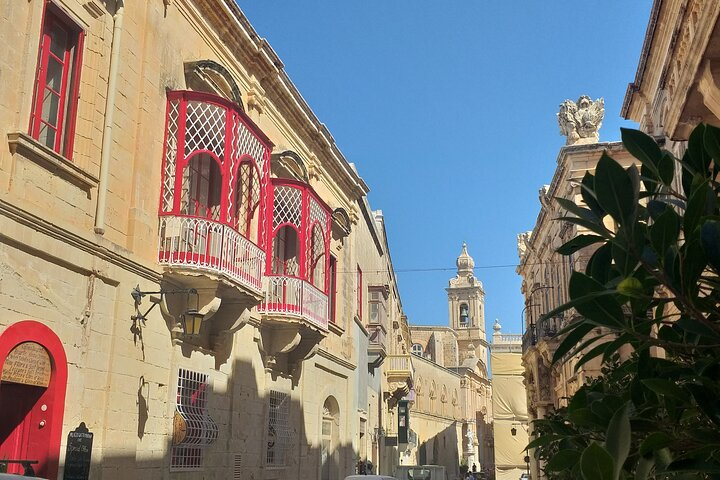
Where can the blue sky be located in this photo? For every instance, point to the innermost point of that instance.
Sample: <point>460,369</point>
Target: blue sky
<point>448,110</point>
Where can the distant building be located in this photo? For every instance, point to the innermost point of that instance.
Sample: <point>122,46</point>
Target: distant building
<point>453,410</point>
<point>510,413</point>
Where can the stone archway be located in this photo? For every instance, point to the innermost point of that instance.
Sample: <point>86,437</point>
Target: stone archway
<point>329,438</point>
<point>33,380</point>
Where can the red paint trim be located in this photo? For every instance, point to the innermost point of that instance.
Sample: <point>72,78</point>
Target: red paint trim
<point>54,18</point>
<point>209,97</point>
<point>332,294</point>
<point>32,331</point>
<point>74,96</point>
<point>360,293</point>
<point>164,161</point>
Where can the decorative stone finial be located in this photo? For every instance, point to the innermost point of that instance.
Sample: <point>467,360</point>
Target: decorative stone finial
<point>580,121</point>
<point>497,326</point>
<point>523,240</point>
<point>465,262</point>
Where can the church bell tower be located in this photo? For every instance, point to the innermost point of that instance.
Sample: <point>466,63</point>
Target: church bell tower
<point>466,308</point>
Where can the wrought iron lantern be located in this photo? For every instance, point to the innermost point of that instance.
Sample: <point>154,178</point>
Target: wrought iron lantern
<point>191,320</point>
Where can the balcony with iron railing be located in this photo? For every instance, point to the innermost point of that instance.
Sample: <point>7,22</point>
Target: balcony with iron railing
<point>214,176</point>
<point>544,330</point>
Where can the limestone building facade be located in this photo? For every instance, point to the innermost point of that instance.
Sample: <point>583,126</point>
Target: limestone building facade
<point>191,275</point>
<point>545,273</point>
<point>677,83</point>
<point>452,414</point>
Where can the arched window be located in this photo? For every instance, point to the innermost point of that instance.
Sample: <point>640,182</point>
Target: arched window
<point>464,315</point>
<point>286,249</point>
<point>201,188</point>
<point>316,254</point>
<point>329,436</point>
<point>247,200</point>
<point>417,349</point>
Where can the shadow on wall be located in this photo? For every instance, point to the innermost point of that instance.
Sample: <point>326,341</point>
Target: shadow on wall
<point>248,445</point>
<point>442,449</point>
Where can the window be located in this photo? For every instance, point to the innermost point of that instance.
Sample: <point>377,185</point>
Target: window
<point>359,293</point>
<point>286,247</point>
<point>333,288</point>
<point>193,428</point>
<point>417,349</point>
<point>52,120</point>
<point>279,435</point>
<point>201,188</point>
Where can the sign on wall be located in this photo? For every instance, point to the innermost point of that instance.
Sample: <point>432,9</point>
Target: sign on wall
<point>29,364</point>
<point>78,453</point>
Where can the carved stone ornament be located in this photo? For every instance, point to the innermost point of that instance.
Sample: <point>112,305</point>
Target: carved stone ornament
<point>580,121</point>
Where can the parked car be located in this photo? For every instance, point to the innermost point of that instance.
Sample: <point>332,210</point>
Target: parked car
<point>369,477</point>
<point>420,472</point>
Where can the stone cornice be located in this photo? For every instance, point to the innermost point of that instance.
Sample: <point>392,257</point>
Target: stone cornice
<point>71,239</point>
<point>335,359</point>
<point>240,38</point>
<point>642,64</point>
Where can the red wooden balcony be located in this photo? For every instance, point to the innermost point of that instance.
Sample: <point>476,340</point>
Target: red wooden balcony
<point>297,279</point>
<point>213,195</point>
<point>205,245</point>
<point>295,298</point>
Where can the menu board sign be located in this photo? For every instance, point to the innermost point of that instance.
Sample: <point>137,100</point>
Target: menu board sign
<point>78,453</point>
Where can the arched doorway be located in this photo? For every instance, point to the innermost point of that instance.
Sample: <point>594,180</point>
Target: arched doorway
<point>329,435</point>
<point>33,378</point>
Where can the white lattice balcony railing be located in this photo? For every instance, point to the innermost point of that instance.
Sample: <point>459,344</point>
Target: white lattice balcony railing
<point>205,245</point>
<point>295,297</point>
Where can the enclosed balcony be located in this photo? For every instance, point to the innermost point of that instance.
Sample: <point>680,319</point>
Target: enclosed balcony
<point>214,178</point>
<point>295,305</point>
<point>377,324</point>
<point>399,374</point>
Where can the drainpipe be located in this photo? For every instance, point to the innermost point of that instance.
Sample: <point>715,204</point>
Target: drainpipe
<point>109,111</point>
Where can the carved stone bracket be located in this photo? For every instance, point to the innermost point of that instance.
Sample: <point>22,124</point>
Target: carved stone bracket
<point>285,347</point>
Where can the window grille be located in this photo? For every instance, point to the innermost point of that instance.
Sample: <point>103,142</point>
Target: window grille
<point>279,434</point>
<point>195,429</point>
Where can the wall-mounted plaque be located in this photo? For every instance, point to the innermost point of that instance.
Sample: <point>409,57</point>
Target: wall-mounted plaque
<point>28,363</point>
<point>78,453</point>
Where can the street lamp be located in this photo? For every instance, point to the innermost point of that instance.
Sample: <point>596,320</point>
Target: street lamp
<point>191,319</point>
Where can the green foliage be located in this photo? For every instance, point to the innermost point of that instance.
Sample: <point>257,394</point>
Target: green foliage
<point>652,288</point>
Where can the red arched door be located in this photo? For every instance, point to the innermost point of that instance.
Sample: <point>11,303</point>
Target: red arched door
<point>33,378</point>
